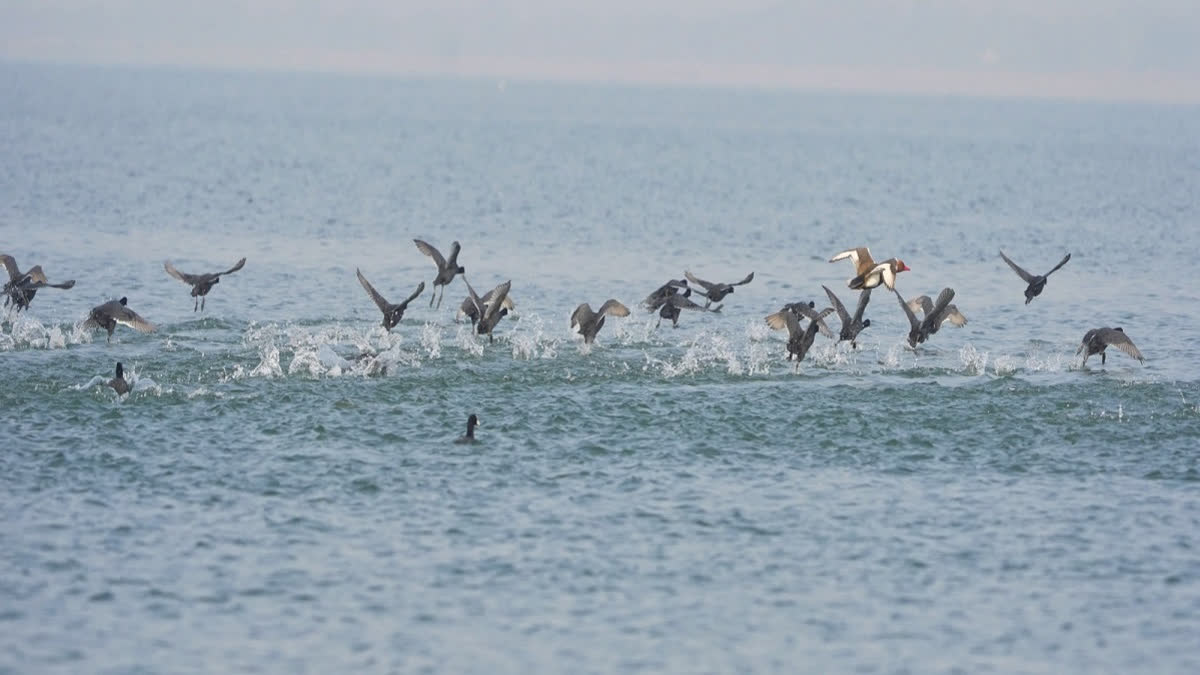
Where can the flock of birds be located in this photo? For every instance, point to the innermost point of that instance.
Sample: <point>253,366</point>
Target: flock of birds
<point>669,300</point>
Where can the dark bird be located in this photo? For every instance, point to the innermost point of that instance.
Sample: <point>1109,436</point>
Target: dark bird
<point>114,312</point>
<point>923,304</point>
<point>447,269</point>
<point>467,308</point>
<point>1036,282</point>
<point>118,383</point>
<point>921,330</point>
<point>491,311</point>
<point>779,320</point>
<point>469,437</point>
<point>800,340</point>
<point>201,283</point>
<point>587,323</point>
<point>673,304</point>
<point>655,300</point>
<point>1096,340</point>
<point>851,325</point>
<point>868,273</point>
<point>716,292</point>
<point>391,313</point>
<point>22,286</point>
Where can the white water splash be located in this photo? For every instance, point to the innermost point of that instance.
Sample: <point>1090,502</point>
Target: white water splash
<point>529,340</point>
<point>464,337</point>
<point>26,332</point>
<point>974,361</point>
<point>431,340</point>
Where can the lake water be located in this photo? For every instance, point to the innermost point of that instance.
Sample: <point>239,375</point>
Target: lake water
<point>665,500</point>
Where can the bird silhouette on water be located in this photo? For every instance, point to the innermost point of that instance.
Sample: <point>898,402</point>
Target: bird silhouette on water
<point>469,437</point>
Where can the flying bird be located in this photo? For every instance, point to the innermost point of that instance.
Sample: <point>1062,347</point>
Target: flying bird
<point>491,311</point>
<point>868,273</point>
<point>673,304</point>
<point>655,300</point>
<point>779,320</point>
<point>920,331</point>
<point>587,323</point>
<point>715,292</point>
<point>1036,282</point>
<point>923,304</point>
<point>800,340</point>
<point>447,269</point>
<point>1096,340</point>
<point>22,286</point>
<point>114,312</point>
<point>391,313</point>
<point>851,325</point>
<point>467,308</point>
<point>201,283</point>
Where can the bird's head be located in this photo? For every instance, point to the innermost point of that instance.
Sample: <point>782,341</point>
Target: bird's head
<point>124,301</point>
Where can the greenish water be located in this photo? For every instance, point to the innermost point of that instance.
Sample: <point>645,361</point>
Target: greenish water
<point>679,500</point>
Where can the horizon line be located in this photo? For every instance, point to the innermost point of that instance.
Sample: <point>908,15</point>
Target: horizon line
<point>995,83</point>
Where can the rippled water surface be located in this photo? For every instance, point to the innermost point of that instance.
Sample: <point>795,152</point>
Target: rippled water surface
<point>281,492</point>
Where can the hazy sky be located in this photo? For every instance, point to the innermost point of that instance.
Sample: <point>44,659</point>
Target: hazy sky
<point>1120,49</point>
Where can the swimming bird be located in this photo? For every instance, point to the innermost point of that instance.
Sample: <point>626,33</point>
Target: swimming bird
<point>799,340</point>
<point>655,300</point>
<point>118,383</point>
<point>1096,340</point>
<point>114,312</point>
<point>868,273</point>
<point>491,311</point>
<point>920,331</point>
<point>779,320</point>
<point>447,269</point>
<point>673,304</point>
<point>1036,282</point>
<point>587,323</point>
<point>22,286</point>
<point>925,305</point>
<point>201,283</point>
<point>716,292</point>
<point>469,437</point>
<point>851,325</point>
<point>467,308</point>
<point>391,313</point>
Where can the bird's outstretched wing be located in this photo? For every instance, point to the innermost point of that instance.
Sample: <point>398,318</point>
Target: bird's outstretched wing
<point>182,276</point>
<point>838,306</point>
<point>236,266</point>
<point>431,252</point>
<point>912,318</point>
<point>708,285</point>
<point>863,298</point>
<point>1060,264</point>
<point>613,308</point>
<point>1017,268</point>
<point>380,301</point>
<point>1117,338</point>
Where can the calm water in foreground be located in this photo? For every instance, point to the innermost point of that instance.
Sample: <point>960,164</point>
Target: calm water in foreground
<point>678,500</point>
